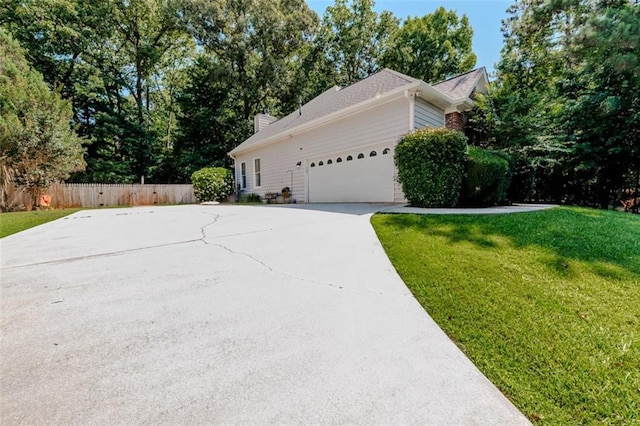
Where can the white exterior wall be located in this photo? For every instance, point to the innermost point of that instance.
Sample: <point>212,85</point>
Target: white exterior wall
<point>383,124</point>
<point>427,114</point>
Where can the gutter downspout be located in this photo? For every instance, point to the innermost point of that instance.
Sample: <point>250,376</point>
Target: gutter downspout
<point>412,109</point>
<point>235,177</point>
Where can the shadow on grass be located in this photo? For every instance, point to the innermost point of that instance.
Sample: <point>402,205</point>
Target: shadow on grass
<point>607,241</point>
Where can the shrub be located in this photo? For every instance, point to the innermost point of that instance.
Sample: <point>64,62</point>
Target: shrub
<point>250,199</point>
<point>430,166</point>
<point>212,183</point>
<point>487,178</point>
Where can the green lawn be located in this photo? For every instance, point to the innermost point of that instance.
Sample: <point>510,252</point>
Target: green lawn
<point>546,304</point>
<point>13,222</point>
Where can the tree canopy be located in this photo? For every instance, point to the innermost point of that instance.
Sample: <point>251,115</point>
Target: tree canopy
<point>161,88</point>
<point>566,102</point>
<point>432,47</point>
<point>37,146</point>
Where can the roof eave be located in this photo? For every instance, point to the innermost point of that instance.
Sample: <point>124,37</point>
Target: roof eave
<point>460,105</point>
<point>434,95</point>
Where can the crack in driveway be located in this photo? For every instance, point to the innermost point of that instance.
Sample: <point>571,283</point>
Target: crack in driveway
<point>203,238</point>
<point>93,256</point>
<point>272,269</point>
<point>117,252</point>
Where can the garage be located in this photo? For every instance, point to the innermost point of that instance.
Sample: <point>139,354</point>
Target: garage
<point>365,175</point>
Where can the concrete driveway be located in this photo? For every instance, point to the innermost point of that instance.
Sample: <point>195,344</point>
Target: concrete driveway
<point>224,314</point>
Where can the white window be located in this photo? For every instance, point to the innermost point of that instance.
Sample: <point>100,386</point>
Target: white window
<point>243,175</point>
<point>256,172</point>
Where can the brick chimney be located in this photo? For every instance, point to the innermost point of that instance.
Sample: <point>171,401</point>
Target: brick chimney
<point>454,120</point>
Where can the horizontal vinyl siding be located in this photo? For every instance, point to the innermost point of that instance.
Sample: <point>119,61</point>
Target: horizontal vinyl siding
<point>376,126</point>
<point>427,114</point>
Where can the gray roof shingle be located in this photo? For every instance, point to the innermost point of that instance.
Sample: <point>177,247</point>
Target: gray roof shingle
<point>460,86</point>
<point>333,100</point>
<point>337,99</point>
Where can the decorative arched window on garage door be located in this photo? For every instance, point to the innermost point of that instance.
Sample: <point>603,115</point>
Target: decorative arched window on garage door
<point>373,154</point>
<point>313,164</point>
<point>329,161</point>
<point>360,156</point>
<point>349,158</point>
<point>385,151</point>
<point>338,160</point>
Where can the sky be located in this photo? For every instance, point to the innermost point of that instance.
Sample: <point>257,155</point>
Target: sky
<point>485,17</point>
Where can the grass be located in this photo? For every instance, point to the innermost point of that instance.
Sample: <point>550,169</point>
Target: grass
<point>546,304</point>
<point>13,222</point>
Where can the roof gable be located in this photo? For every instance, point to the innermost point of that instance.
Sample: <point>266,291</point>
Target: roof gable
<point>463,85</point>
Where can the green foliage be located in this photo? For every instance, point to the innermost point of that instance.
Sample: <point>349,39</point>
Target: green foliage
<point>210,122</point>
<point>254,57</point>
<point>355,38</point>
<point>250,199</point>
<point>146,33</point>
<point>254,44</point>
<point>161,88</point>
<point>522,178</point>
<point>433,47</point>
<point>212,183</point>
<point>486,180</point>
<point>601,114</point>
<point>545,304</point>
<point>430,166</point>
<point>566,99</point>
<point>37,146</point>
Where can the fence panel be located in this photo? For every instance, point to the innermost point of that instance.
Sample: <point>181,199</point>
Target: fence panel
<point>65,195</point>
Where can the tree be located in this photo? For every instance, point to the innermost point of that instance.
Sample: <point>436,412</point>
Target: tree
<point>146,31</point>
<point>566,98</point>
<point>433,47</point>
<point>355,38</point>
<point>210,120</point>
<point>601,115</point>
<point>37,145</point>
<point>58,35</point>
<point>254,56</point>
<point>110,58</point>
<point>256,42</point>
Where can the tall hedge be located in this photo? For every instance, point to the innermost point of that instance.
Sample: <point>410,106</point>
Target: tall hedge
<point>212,183</point>
<point>430,166</point>
<point>487,178</point>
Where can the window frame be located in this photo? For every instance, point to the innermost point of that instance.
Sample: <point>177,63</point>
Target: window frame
<point>243,175</point>
<point>257,172</point>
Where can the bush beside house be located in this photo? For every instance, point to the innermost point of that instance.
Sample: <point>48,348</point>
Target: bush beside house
<point>430,166</point>
<point>212,183</point>
<point>436,168</point>
<point>486,180</point>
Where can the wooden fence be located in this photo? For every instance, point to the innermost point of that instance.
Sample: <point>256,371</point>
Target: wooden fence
<point>105,195</point>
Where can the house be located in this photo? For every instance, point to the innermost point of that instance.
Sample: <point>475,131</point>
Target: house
<point>339,147</point>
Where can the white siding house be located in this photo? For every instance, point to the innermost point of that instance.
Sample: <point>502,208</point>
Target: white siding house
<point>339,147</point>
<point>428,115</point>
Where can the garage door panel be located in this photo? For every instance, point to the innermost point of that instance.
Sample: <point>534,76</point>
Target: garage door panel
<point>369,179</point>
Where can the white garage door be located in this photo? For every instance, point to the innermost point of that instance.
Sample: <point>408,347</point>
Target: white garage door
<point>365,176</point>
